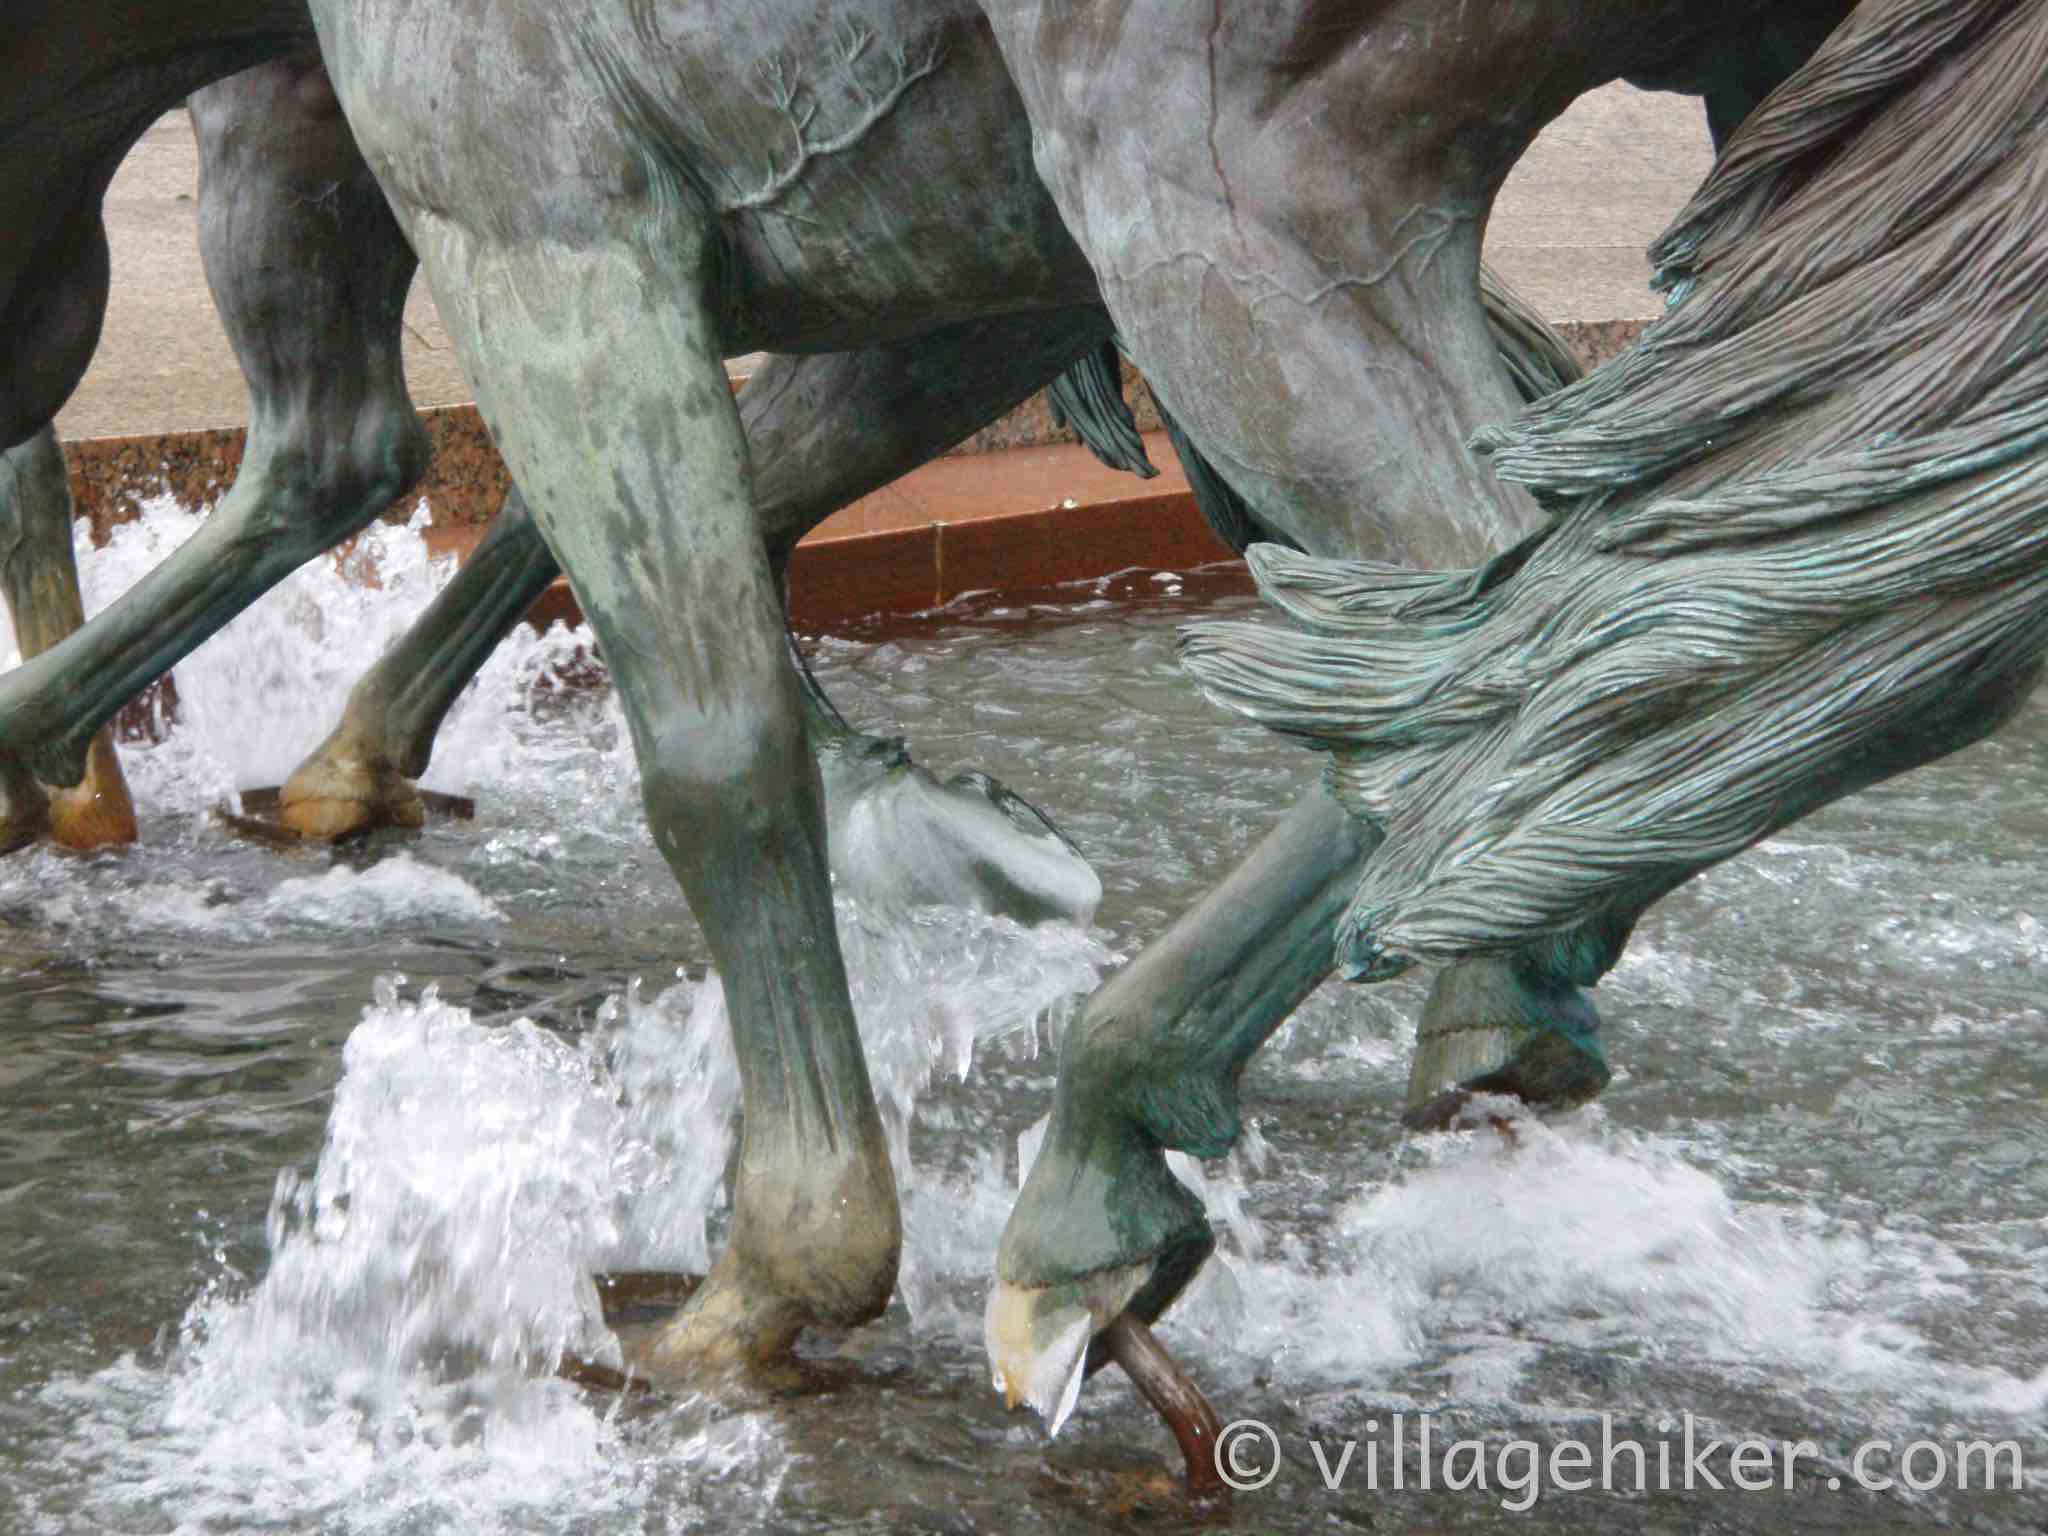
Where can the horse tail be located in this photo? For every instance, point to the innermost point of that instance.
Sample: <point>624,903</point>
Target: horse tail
<point>1540,361</point>
<point>1089,397</point>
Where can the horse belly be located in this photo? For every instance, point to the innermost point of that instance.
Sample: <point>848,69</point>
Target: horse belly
<point>860,171</point>
<point>931,212</point>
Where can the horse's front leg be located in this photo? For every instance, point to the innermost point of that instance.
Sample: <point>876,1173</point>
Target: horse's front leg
<point>39,576</point>
<point>310,274</point>
<point>1151,1063</point>
<point>598,365</point>
<point>1285,212</point>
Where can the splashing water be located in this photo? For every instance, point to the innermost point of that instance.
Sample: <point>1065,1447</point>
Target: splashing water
<point>927,993</point>
<point>1843,1240</point>
<point>1480,1253</point>
<point>257,697</point>
<point>437,1263</point>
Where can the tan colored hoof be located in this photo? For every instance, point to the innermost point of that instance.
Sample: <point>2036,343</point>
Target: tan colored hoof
<point>96,812</point>
<point>323,817</point>
<point>346,787</point>
<point>1038,1337</point>
<point>266,817</point>
<point>722,1332</point>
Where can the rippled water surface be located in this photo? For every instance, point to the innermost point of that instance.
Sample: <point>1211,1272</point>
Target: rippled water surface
<point>304,1158</point>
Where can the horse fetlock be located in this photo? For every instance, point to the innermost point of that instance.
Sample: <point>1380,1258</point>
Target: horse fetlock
<point>814,1252</point>
<point>821,1234</point>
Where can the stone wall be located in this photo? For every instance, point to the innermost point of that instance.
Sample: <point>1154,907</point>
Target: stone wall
<point>113,477</point>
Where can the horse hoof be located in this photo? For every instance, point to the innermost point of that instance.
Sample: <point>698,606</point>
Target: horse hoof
<point>97,811</point>
<point>1543,1069</point>
<point>323,818</point>
<point>266,817</point>
<point>724,1332</point>
<point>1492,1026</point>
<point>345,788</point>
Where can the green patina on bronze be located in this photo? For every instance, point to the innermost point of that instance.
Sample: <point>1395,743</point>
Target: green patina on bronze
<point>1796,543</point>
<point>929,210</point>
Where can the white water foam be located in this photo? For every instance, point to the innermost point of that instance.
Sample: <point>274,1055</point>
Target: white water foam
<point>378,1378</point>
<point>398,891</point>
<point>258,696</point>
<point>387,1373</point>
<point>255,699</point>
<point>1594,1238</point>
<point>929,993</point>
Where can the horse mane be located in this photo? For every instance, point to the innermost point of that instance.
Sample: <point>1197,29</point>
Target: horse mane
<point>1853,228</point>
<point>1811,498</point>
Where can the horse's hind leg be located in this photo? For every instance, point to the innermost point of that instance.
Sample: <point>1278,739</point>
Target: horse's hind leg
<point>310,274</point>
<point>823,430</point>
<point>39,576</point>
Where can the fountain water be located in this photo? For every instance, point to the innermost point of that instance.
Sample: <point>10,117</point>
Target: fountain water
<point>290,1241</point>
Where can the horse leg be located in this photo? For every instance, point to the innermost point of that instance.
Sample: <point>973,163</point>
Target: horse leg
<point>362,775</point>
<point>599,368</point>
<point>310,274</point>
<point>1314,322</point>
<point>39,575</point>
<point>52,341</point>
<point>1151,1062</point>
<point>1306,304</point>
<point>823,431</point>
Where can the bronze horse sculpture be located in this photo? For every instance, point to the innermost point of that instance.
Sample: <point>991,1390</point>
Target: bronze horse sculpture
<point>704,190</point>
<point>309,275</point>
<point>698,193</point>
